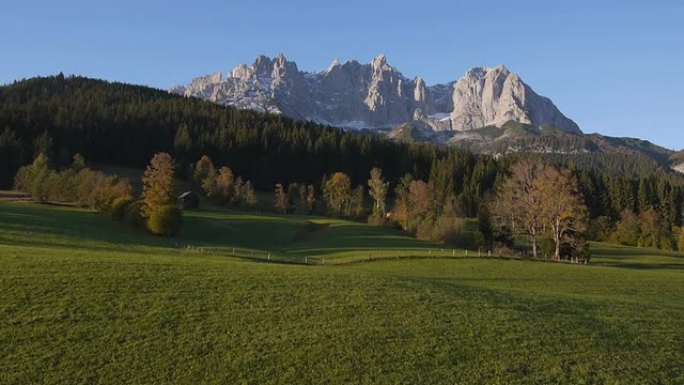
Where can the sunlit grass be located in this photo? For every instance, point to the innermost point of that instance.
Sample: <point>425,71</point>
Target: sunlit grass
<point>84,299</point>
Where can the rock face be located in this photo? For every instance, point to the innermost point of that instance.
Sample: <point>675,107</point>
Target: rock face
<point>486,97</point>
<point>377,96</point>
<point>679,168</point>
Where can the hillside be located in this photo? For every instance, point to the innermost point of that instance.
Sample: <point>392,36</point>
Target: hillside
<point>626,156</point>
<point>677,161</point>
<point>125,125</point>
<point>88,300</point>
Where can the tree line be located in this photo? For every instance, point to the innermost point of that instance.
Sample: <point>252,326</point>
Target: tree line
<point>126,125</point>
<point>156,209</point>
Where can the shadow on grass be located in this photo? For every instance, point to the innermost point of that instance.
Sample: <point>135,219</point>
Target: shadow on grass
<point>605,250</point>
<point>348,236</point>
<point>556,315</point>
<point>43,225</point>
<point>642,265</point>
<point>229,229</point>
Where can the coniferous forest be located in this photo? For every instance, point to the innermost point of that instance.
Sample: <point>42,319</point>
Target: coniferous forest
<point>114,123</point>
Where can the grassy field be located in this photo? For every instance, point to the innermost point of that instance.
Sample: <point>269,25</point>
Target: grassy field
<point>85,300</point>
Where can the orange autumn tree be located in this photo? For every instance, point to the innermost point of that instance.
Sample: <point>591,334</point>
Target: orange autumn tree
<point>337,193</point>
<point>162,215</point>
<point>159,187</point>
<point>517,206</point>
<point>562,207</point>
<point>538,200</point>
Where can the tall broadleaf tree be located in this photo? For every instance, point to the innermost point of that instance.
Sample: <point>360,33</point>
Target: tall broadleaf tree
<point>377,189</point>
<point>159,187</point>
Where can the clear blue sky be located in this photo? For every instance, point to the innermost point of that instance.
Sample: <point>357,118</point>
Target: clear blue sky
<point>615,67</point>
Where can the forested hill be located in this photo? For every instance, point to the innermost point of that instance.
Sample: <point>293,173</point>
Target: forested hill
<point>125,125</point>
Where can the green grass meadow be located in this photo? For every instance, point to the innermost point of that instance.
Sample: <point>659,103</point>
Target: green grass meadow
<point>87,300</point>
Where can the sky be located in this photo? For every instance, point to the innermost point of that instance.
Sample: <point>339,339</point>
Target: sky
<point>615,67</point>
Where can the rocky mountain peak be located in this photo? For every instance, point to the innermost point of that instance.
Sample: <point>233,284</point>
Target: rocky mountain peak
<point>376,95</point>
<point>334,65</point>
<point>379,62</point>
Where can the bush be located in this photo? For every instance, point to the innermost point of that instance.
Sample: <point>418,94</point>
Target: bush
<point>447,229</point>
<point>118,208</point>
<point>165,221</point>
<point>679,233</point>
<point>132,214</point>
<point>378,221</point>
<point>600,229</point>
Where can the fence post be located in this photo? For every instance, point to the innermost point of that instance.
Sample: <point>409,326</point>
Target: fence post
<point>269,255</point>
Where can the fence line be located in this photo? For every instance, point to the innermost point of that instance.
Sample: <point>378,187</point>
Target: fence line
<point>361,255</point>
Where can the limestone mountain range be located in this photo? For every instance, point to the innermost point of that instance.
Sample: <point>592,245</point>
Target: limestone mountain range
<point>377,96</point>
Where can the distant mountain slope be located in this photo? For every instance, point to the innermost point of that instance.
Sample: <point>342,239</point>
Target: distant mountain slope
<point>516,137</point>
<point>677,160</point>
<point>377,96</point>
<point>638,155</point>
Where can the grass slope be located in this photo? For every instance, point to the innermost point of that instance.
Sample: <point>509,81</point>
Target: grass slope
<point>87,300</point>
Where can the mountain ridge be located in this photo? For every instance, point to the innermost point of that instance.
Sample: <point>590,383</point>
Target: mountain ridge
<point>378,96</point>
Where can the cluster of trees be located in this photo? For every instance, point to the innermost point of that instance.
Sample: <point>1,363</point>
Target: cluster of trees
<point>109,194</point>
<point>297,199</point>
<point>76,184</point>
<point>542,203</point>
<point>222,186</point>
<point>616,203</point>
<point>338,197</point>
<point>421,209</point>
<point>418,208</point>
<point>647,229</point>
